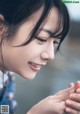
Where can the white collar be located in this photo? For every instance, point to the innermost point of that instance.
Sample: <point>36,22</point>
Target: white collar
<point>1,78</point>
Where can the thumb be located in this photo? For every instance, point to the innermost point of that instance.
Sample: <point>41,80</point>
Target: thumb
<point>73,86</point>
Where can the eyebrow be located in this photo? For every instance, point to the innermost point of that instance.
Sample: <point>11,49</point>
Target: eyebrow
<point>48,31</point>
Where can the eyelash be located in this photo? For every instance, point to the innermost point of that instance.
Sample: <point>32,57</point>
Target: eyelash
<point>43,40</point>
<point>56,42</point>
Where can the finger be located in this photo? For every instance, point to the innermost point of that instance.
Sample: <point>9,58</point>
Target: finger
<point>75,97</point>
<point>73,105</point>
<point>77,85</point>
<point>64,94</point>
<point>71,111</point>
<point>78,90</point>
<point>71,84</point>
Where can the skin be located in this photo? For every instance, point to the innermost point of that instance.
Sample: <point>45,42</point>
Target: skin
<point>65,101</point>
<point>74,99</point>
<point>17,59</point>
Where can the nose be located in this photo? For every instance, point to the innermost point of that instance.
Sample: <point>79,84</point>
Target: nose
<point>48,54</point>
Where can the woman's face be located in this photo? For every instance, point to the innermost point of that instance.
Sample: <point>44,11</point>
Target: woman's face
<point>27,60</point>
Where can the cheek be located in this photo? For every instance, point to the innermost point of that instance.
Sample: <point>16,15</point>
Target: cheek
<point>18,57</point>
<point>20,65</point>
<point>14,57</point>
<point>33,49</point>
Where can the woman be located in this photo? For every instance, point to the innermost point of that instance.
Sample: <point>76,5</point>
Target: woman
<point>30,32</point>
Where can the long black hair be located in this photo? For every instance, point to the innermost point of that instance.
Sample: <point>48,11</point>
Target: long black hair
<point>16,11</point>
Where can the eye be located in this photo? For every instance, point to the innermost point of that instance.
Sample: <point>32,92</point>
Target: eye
<point>40,39</point>
<point>56,41</point>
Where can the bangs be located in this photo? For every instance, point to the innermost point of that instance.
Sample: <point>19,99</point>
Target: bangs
<point>62,26</point>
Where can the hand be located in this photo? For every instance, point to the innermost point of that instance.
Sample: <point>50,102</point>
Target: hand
<point>52,105</point>
<point>73,102</point>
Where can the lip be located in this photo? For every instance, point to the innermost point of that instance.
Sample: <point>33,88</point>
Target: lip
<point>35,67</point>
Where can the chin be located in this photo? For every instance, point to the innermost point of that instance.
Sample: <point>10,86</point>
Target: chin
<point>28,76</point>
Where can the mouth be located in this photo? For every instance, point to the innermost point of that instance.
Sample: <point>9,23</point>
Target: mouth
<point>34,66</point>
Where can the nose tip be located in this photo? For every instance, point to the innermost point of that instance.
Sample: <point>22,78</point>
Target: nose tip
<point>47,56</point>
<point>44,55</point>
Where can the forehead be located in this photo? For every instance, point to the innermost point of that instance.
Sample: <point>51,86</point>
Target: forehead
<point>51,23</point>
<point>52,20</point>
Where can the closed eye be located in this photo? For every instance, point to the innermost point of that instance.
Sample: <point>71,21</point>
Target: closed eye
<point>40,39</point>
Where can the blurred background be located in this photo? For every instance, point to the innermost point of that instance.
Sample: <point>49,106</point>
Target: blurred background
<point>57,75</point>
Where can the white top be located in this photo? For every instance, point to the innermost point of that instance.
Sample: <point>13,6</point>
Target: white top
<point>5,78</point>
<point>1,78</point>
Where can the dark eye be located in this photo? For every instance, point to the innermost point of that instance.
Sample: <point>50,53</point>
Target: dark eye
<point>40,39</point>
<point>56,42</point>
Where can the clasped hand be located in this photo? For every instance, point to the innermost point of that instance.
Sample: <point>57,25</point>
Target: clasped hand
<point>67,100</point>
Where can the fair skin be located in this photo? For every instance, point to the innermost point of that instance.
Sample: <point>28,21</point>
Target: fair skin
<point>18,59</point>
<point>27,61</point>
<point>66,101</point>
